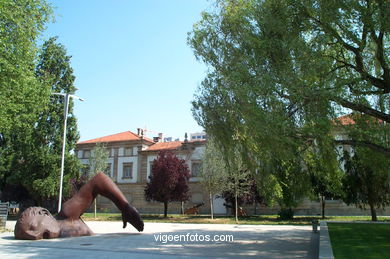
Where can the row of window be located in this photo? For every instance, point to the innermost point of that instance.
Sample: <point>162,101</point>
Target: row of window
<point>126,174</point>
<point>86,169</point>
<point>195,137</point>
<point>195,168</point>
<point>111,152</point>
<point>127,169</point>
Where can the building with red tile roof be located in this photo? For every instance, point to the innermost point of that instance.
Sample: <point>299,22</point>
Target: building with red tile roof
<point>119,137</point>
<point>348,119</point>
<point>130,164</point>
<point>345,120</point>
<point>173,145</point>
<point>159,146</point>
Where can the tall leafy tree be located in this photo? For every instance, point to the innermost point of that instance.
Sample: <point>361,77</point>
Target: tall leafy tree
<point>214,173</point>
<point>366,183</point>
<point>238,175</point>
<point>250,194</point>
<point>293,181</point>
<point>22,97</point>
<point>280,72</point>
<point>169,180</point>
<point>36,162</point>
<point>324,172</point>
<point>282,65</point>
<point>98,162</point>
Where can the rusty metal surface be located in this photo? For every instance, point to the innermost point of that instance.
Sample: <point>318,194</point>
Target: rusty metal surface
<point>37,222</point>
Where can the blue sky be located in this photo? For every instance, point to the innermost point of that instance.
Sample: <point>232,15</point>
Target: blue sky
<point>132,63</point>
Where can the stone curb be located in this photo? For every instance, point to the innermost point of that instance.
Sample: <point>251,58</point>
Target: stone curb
<point>325,250</point>
<point>10,225</point>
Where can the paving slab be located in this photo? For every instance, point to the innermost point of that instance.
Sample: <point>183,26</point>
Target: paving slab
<point>167,240</point>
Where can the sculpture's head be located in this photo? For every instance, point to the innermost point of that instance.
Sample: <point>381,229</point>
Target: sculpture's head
<point>36,223</point>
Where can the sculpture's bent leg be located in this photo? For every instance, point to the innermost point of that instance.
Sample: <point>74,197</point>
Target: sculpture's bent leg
<point>103,185</point>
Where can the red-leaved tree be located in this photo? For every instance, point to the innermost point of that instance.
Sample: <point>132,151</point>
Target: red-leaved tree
<point>169,180</point>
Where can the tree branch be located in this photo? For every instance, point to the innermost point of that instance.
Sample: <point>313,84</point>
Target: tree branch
<point>383,150</point>
<point>377,82</point>
<point>362,108</point>
<point>379,55</point>
<point>358,92</point>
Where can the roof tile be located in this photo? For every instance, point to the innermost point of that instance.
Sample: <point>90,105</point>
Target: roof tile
<point>123,136</point>
<point>165,146</point>
<point>345,120</point>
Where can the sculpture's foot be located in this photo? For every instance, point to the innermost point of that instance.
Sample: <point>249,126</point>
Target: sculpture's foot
<point>131,215</point>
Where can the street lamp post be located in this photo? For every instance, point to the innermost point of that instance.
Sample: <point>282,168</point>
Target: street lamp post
<point>66,107</point>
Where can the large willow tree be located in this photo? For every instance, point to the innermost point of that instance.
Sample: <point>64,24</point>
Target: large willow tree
<point>280,72</point>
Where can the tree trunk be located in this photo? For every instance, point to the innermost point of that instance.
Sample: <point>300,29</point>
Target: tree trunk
<point>255,208</point>
<point>182,208</point>
<point>95,208</point>
<point>211,206</point>
<point>373,213</point>
<point>165,209</point>
<point>236,202</point>
<point>323,206</point>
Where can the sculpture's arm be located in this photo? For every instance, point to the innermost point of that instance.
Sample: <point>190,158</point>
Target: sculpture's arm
<point>103,185</point>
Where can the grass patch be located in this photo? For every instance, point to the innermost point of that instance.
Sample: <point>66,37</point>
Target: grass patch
<point>360,240</point>
<point>205,219</point>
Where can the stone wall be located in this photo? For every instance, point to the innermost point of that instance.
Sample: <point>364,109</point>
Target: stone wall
<point>135,195</point>
<point>308,207</point>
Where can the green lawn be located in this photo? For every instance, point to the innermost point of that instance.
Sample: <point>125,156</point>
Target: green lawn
<point>360,240</point>
<point>205,219</point>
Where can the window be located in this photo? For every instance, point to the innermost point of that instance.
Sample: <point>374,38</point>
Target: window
<point>195,168</point>
<point>127,171</point>
<point>128,151</point>
<point>86,153</point>
<point>151,168</point>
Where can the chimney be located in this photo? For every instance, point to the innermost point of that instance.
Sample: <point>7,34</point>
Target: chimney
<point>185,143</point>
<point>160,136</point>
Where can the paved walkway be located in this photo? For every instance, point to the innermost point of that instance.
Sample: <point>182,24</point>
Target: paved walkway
<point>111,241</point>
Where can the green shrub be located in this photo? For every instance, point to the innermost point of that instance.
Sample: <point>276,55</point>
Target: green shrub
<point>286,214</point>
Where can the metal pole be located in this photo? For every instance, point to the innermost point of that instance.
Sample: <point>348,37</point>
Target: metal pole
<point>63,149</point>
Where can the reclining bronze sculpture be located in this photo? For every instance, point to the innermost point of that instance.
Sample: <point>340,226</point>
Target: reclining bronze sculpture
<point>37,223</point>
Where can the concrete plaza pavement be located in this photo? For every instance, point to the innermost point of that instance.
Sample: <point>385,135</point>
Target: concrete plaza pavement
<point>111,241</point>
